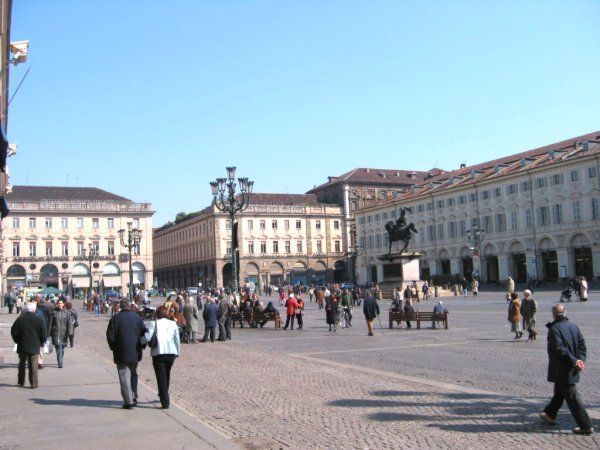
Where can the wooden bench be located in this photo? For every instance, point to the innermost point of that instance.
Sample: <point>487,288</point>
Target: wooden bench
<point>419,316</point>
<point>262,317</point>
<point>253,319</point>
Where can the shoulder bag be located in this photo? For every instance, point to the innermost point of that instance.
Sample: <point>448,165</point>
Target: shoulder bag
<point>153,342</point>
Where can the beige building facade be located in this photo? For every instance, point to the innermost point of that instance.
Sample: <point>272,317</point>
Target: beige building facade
<point>281,239</point>
<point>48,235</point>
<point>540,211</point>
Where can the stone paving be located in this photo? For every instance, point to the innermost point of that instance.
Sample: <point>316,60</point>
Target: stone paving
<point>472,386</point>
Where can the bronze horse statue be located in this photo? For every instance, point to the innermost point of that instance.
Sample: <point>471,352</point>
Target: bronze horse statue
<point>403,234</point>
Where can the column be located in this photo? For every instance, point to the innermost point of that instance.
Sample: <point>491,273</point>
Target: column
<point>455,266</point>
<point>433,267</point>
<point>596,260</point>
<point>503,267</point>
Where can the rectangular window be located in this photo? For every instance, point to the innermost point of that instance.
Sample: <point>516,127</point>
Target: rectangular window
<point>64,222</point>
<point>299,246</point>
<point>228,247</point>
<point>485,195</point>
<point>353,205</point>
<point>16,249</point>
<point>462,199</point>
<point>377,217</point>
<point>95,223</point>
<point>228,224</point>
<point>370,242</point>
<point>110,223</point>
<point>514,220</point>
<point>80,248</point>
<point>80,222</point>
<point>262,224</point>
<point>275,247</point>
<point>526,186</point>
<point>136,222</point>
<point>110,249</point>
<point>251,248</point>
<point>32,249</point>
<point>440,204</point>
<point>556,179</point>
<point>512,189</point>
<point>286,224</point>
<point>595,209</point>
<point>528,218</point>
<point>497,192</point>
<point>96,248</point>
<point>574,175</point>
<point>318,224</point>
<point>337,247</point>
<point>473,197</point>
<point>288,247</point>
<point>429,206</point>
<point>384,216</point>
<point>319,247</point>
<point>452,230</point>
<point>16,222</point>
<point>336,224</point>
<point>440,231</point>
<point>378,241</point>
<point>48,248</point>
<point>500,222</point>
<point>32,222</point>
<point>462,228</point>
<point>250,225</point>
<point>274,224</point>
<point>576,211</point>
<point>64,248</point>
<point>263,247</point>
<point>557,213</point>
<point>541,183</point>
<point>420,208</point>
<point>487,224</point>
<point>48,223</point>
<point>430,232</point>
<point>543,216</point>
<point>450,201</point>
<point>298,224</point>
<point>592,172</point>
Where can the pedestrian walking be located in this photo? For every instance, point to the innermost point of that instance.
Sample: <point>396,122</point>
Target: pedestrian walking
<point>583,289</point>
<point>510,285</point>
<point>566,361</point>
<point>475,287</point>
<point>514,315</point>
<point>332,312</point>
<point>97,301</point>
<point>311,294</point>
<point>19,303</point>
<point>300,312</point>
<point>60,328</point>
<point>9,301</point>
<point>465,286</point>
<point>320,294</point>
<point>209,315</point>
<point>371,311</point>
<point>190,314</point>
<point>123,336</point>
<point>528,311</point>
<point>290,310</point>
<point>29,333</point>
<point>164,352</point>
<point>74,318</point>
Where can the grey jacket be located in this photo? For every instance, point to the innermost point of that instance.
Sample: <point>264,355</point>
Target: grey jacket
<point>190,314</point>
<point>60,326</point>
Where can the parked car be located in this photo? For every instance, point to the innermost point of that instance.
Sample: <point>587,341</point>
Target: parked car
<point>348,286</point>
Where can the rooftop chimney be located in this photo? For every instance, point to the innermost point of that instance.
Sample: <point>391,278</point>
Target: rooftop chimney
<point>463,165</point>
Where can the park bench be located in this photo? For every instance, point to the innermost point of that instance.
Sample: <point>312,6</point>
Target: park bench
<point>262,317</point>
<point>419,316</point>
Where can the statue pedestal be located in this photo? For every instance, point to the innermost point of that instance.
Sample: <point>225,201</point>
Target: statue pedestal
<point>399,269</point>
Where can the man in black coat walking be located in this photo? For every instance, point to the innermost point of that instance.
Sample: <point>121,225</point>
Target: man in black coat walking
<point>29,333</point>
<point>123,335</point>
<point>371,311</point>
<point>567,354</point>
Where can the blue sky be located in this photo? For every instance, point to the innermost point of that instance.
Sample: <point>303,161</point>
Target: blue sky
<point>151,100</point>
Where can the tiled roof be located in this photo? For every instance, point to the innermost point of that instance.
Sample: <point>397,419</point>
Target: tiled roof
<point>540,157</point>
<point>390,177</point>
<point>39,193</point>
<point>284,199</point>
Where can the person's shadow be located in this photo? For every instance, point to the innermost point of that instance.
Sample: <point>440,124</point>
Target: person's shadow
<point>115,404</point>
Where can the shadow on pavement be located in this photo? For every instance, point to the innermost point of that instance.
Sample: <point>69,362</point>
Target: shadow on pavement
<point>79,402</point>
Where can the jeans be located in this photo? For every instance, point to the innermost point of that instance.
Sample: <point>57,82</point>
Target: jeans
<point>32,362</point>
<point>568,392</point>
<point>128,378</point>
<point>97,310</point>
<point>162,369</point>
<point>60,354</point>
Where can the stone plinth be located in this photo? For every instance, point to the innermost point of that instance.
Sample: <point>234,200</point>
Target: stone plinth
<point>399,269</point>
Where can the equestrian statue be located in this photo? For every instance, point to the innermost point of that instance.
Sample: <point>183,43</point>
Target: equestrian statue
<point>399,231</point>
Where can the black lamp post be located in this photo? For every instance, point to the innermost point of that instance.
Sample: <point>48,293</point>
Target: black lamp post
<point>224,198</point>
<point>476,236</point>
<point>131,240</point>
<point>90,258</point>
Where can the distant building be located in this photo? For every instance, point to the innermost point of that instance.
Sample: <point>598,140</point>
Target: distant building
<point>283,238</point>
<point>540,210</point>
<point>49,228</point>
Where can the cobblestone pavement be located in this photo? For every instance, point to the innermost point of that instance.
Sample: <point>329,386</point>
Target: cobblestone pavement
<point>472,386</point>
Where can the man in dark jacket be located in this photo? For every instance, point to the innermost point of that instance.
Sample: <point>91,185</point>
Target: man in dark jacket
<point>567,354</point>
<point>371,311</point>
<point>29,333</point>
<point>43,312</point>
<point>60,328</point>
<point>123,335</point>
<point>223,318</point>
<point>210,319</point>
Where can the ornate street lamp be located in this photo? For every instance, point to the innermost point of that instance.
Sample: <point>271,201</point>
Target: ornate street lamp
<point>476,236</point>
<point>90,258</point>
<point>226,200</point>
<point>130,241</point>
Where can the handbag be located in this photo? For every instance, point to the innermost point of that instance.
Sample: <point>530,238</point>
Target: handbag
<point>153,342</point>
<point>47,347</point>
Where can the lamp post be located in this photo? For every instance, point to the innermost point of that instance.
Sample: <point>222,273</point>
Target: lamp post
<point>130,240</point>
<point>476,236</point>
<point>90,258</point>
<point>225,199</point>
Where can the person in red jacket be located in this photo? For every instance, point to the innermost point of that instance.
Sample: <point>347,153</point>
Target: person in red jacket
<point>290,309</point>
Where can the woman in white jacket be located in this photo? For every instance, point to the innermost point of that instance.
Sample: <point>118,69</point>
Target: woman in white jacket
<point>165,352</point>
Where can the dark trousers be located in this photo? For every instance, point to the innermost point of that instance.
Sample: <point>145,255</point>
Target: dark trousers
<point>299,319</point>
<point>568,392</point>
<point>32,362</point>
<point>290,317</point>
<point>162,369</point>
<point>71,338</point>
<point>224,327</point>
<point>208,330</point>
<point>10,308</point>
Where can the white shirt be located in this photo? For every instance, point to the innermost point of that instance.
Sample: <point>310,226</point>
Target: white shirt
<point>168,337</point>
